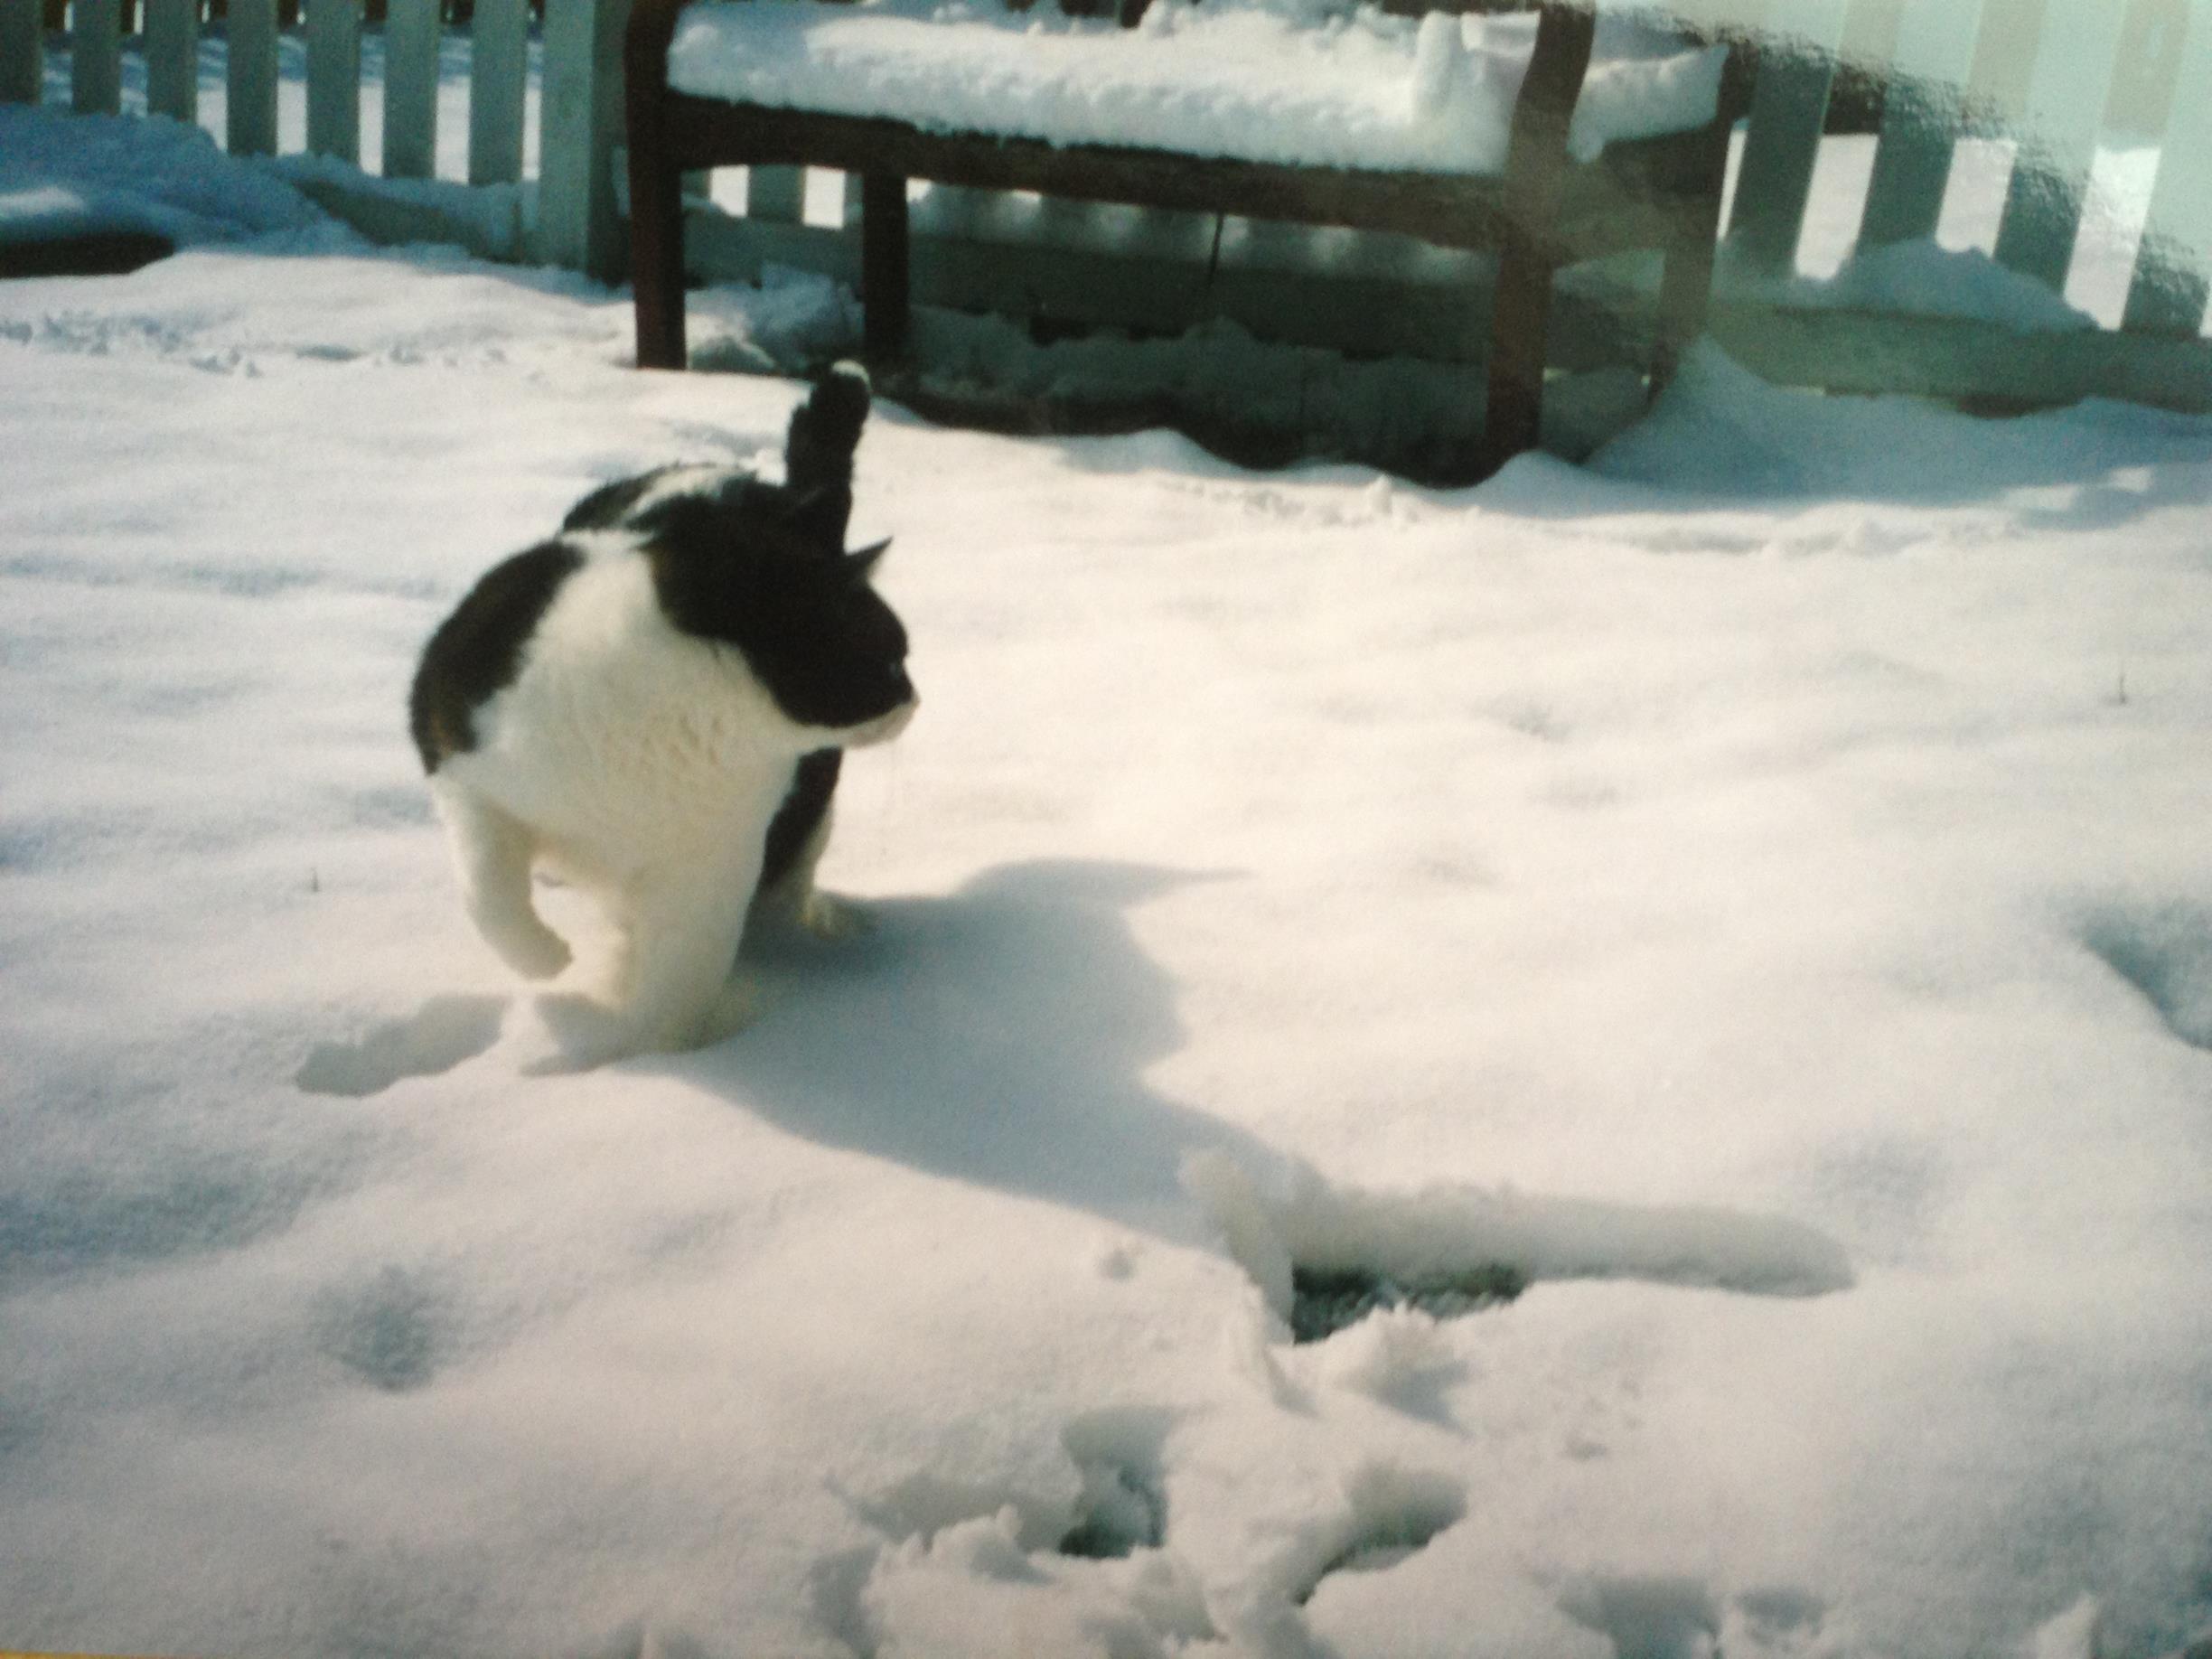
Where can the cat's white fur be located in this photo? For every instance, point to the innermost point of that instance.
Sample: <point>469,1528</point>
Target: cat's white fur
<point>643,764</point>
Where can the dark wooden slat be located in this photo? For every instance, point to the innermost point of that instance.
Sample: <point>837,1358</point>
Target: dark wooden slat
<point>884,267</point>
<point>656,188</point>
<point>1535,170</point>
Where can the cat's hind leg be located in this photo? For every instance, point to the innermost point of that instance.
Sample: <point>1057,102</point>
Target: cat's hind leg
<point>788,900</point>
<point>793,903</point>
<point>493,850</point>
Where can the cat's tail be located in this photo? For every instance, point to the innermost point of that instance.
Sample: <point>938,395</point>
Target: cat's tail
<point>818,454</point>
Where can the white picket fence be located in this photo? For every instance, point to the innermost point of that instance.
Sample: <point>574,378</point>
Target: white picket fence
<point>2073,52</point>
<point>1368,295</point>
<point>562,216</point>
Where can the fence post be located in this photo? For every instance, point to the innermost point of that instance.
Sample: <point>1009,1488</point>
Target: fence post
<point>96,57</point>
<point>411,31</point>
<point>1921,119</point>
<point>2173,274</point>
<point>251,122</point>
<point>1789,107</point>
<point>22,51</point>
<point>173,59</point>
<point>580,116</point>
<point>333,78</point>
<point>2067,95</point>
<point>499,70</point>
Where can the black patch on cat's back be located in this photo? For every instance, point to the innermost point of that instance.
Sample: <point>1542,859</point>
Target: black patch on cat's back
<point>607,507</point>
<point>806,804</point>
<point>477,652</point>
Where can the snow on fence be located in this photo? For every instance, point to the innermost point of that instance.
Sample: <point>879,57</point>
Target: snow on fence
<point>1931,85</point>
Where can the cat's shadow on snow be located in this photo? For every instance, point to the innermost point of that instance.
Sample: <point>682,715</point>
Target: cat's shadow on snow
<point>999,1035</point>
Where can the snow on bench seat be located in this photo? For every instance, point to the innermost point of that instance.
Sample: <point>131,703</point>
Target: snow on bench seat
<point>1244,79</point>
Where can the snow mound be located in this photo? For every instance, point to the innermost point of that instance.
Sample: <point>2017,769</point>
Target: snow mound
<point>1916,278</point>
<point>1719,430</point>
<point>63,175</point>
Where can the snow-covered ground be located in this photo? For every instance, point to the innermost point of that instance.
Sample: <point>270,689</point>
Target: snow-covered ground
<point>1755,887</point>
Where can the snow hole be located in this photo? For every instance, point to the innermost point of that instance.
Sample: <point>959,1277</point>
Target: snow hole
<point>1325,1300</point>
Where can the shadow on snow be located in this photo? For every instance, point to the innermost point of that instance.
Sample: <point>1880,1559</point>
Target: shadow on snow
<point>998,1036</point>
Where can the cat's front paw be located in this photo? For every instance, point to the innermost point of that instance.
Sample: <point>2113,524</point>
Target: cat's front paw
<point>586,1034</point>
<point>528,947</point>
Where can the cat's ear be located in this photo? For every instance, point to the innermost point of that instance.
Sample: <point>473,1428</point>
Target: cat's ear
<point>862,561</point>
<point>819,517</point>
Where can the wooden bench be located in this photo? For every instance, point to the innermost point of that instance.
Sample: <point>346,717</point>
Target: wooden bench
<point>1543,208</point>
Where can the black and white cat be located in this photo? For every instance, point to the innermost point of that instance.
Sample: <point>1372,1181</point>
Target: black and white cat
<point>653,706</point>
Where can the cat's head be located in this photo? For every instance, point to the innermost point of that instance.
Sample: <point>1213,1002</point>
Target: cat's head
<point>764,567</point>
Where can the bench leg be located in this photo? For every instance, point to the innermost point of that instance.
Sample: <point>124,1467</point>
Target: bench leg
<point>883,267</point>
<point>1520,330</point>
<point>656,244</point>
<point>1686,290</point>
<point>656,274</point>
<point>1535,173</point>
